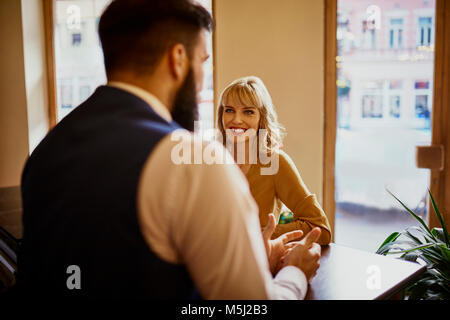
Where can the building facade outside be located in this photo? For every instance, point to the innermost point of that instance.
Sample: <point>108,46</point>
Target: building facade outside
<point>387,47</point>
<point>385,66</point>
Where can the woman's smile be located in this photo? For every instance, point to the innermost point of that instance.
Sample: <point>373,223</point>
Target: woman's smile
<point>236,131</point>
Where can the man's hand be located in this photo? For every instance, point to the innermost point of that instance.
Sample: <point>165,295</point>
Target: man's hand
<point>278,248</point>
<point>306,254</point>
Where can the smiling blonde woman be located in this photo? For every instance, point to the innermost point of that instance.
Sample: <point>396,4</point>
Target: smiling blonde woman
<point>246,115</point>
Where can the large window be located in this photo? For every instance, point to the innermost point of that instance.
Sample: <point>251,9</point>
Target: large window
<point>79,60</point>
<point>383,115</point>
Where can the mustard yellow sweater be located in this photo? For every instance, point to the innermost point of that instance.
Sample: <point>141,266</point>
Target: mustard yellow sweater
<point>286,186</point>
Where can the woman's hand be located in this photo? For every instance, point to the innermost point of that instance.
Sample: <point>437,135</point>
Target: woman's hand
<point>278,248</point>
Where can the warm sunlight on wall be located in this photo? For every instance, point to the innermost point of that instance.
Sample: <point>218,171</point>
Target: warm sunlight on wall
<point>13,103</point>
<point>282,43</point>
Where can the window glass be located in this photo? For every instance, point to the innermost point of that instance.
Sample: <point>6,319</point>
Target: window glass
<point>422,85</point>
<point>394,106</point>
<point>396,33</point>
<point>422,110</point>
<point>79,59</point>
<point>385,67</point>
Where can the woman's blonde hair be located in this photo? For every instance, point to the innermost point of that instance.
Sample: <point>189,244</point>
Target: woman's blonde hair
<point>251,91</point>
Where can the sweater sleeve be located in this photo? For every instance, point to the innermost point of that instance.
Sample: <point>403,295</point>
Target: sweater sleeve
<point>292,191</point>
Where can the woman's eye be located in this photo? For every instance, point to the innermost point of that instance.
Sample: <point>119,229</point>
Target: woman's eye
<point>249,112</point>
<point>229,110</point>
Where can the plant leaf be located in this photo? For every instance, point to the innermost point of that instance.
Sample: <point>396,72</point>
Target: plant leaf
<point>411,236</point>
<point>413,214</point>
<point>410,256</point>
<point>391,238</point>
<point>416,292</point>
<point>422,232</point>
<point>421,247</point>
<point>439,234</point>
<point>441,220</point>
<point>445,251</point>
<point>396,245</point>
<point>432,255</point>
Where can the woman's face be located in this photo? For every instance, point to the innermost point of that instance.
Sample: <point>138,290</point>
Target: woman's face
<point>237,119</point>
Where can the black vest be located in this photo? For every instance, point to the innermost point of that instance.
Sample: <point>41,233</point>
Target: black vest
<point>79,190</point>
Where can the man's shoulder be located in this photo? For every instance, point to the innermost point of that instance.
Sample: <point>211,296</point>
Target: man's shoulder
<point>184,156</point>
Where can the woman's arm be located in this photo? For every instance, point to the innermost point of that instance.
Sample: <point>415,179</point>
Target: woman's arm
<point>292,191</point>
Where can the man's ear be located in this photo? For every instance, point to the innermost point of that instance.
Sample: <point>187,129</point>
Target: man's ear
<point>178,61</point>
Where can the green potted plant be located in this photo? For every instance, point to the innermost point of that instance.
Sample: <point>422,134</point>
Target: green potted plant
<point>425,246</point>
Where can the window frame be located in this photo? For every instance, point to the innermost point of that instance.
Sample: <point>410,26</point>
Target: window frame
<point>49,19</point>
<point>425,13</point>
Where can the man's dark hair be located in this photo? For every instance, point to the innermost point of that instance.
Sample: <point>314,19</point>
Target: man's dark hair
<point>136,33</point>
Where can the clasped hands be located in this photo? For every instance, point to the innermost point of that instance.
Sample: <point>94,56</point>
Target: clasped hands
<point>284,251</point>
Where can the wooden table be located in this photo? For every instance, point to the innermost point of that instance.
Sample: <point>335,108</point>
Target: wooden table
<point>351,274</point>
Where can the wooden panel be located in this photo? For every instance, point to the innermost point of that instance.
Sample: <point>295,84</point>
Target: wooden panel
<point>50,54</point>
<point>347,274</point>
<point>330,98</point>
<point>430,157</point>
<point>440,180</point>
<point>11,211</point>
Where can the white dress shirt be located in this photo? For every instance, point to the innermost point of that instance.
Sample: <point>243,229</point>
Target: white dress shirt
<point>204,217</point>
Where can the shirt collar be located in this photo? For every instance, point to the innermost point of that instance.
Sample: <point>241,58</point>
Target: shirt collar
<point>149,98</point>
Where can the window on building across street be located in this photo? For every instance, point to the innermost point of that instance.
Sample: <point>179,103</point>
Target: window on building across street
<point>422,110</point>
<point>368,35</point>
<point>76,39</point>
<point>422,85</point>
<point>85,91</point>
<point>395,92</point>
<point>66,95</point>
<point>372,100</point>
<point>372,106</point>
<point>344,37</point>
<point>394,106</point>
<point>422,101</point>
<point>395,33</point>
<point>425,32</point>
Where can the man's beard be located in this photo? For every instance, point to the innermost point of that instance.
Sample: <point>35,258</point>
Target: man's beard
<point>185,108</point>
